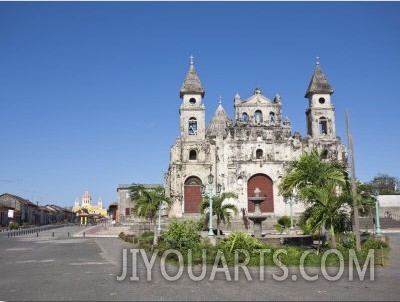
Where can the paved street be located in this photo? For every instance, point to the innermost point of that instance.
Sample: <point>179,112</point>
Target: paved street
<point>53,266</point>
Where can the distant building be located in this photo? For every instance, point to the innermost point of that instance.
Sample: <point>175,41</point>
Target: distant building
<point>17,209</point>
<point>22,211</point>
<point>124,203</point>
<point>113,211</point>
<point>87,204</point>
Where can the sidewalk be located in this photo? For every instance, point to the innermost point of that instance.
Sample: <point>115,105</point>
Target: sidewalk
<point>384,231</point>
<point>98,231</point>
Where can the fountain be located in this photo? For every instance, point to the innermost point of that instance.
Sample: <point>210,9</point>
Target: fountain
<point>257,217</point>
<point>277,239</point>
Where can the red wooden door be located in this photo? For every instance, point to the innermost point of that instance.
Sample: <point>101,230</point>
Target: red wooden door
<point>192,198</point>
<point>265,184</point>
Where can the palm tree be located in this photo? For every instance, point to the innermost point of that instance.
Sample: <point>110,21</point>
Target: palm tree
<point>311,170</point>
<point>321,185</point>
<point>147,203</point>
<point>223,211</point>
<point>328,209</point>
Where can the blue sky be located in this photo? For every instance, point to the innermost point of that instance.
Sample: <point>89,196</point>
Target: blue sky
<point>89,91</point>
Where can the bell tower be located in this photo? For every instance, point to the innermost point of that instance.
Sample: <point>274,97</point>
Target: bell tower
<point>192,110</point>
<point>320,114</point>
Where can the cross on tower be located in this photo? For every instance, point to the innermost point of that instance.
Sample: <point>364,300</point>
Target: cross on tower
<point>191,60</point>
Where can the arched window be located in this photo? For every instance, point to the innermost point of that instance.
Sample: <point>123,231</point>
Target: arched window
<point>324,154</point>
<point>323,126</point>
<point>258,117</point>
<point>259,153</point>
<point>272,117</point>
<point>192,126</point>
<point>245,117</point>
<point>192,155</point>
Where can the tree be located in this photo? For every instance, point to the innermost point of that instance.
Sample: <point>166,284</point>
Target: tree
<point>387,185</point>
<point>147,203</point>
<point>365,199</point>
<point>328,208</point>
<point>83,210</point>
<point>322,185</point>
<point>222,210</point>
<point>311,170</point>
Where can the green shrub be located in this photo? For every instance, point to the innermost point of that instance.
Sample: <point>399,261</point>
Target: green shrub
<point>129,238</point>
<point>282,224</point>
<point>239,240</point>
<point>292,255</point>
<point>346,241</point>
<point>13,226</point>
<point>182,235</point>
<point>372,243</point>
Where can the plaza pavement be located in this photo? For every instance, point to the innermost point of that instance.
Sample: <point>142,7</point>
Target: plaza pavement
<point>84,264</point>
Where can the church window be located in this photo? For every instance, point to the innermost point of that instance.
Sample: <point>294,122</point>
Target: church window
<point>192,126</point>
<point>245,117</point>
<point>258,116</point>
<point>321,100</point>
<point>272,117</point>
<point>127,195</point>
<point>324,154</point>
<point>192,155</point>
<point>127,211</point>
<point>192,101</point>
<point>259,154</point>
<point>323,126</point>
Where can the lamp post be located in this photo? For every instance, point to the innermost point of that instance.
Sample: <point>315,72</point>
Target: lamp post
<point>159,219</point>
<point>290,200</point>
<point>210,196</point>
<point>377,224</point>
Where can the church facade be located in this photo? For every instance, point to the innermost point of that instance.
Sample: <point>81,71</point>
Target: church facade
<point>87,203</point>
<point>250,150</point>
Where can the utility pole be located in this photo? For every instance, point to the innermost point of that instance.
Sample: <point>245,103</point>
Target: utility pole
<point>353,185</point>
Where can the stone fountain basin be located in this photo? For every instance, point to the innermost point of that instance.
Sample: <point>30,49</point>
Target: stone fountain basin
<point>257,217</point>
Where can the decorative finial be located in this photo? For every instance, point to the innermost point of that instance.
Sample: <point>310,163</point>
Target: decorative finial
<point>191,60</point>
<point>220,100</point>
<point>317,58</point>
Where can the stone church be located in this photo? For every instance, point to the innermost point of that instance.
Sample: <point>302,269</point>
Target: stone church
<point>248,151</point>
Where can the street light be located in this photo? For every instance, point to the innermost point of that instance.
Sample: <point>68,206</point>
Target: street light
<point>159,219</point>
<point>377,224</point>
<point>210,196</point>
<point>290,200</point>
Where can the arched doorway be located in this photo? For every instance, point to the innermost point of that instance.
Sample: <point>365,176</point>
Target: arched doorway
<point>192,195</point>
<point>265,184</point>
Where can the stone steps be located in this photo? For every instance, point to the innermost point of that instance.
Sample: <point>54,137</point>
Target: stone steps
<point>236,224</point>
<point>384,222</point>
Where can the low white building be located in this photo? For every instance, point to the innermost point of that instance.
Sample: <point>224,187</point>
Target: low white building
<point>389,205</point>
